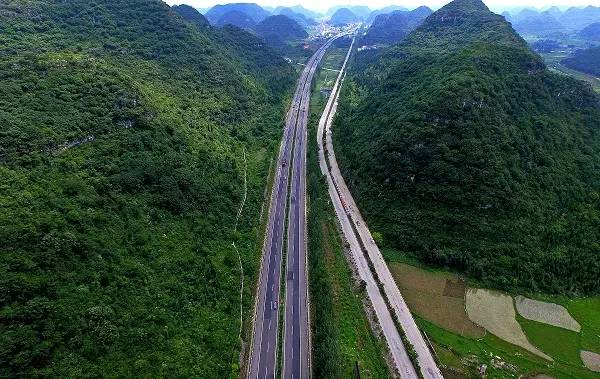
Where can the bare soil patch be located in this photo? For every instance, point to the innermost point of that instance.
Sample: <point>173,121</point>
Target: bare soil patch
<point>591,360</point>
<point>495,312</point>
<point>547,313</point>
<point>437,297</point>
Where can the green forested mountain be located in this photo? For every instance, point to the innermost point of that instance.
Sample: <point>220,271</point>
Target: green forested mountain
<point>300,18</point>
<point>278,30</point>
<point>191,15</point>
<point>343,16</point>
<point>125,137</point>
<point>591,32</point>
<point>464,151</point>
<point>254,11</point>
<point>587,60</point>
<point>236,18</point>
<point>391,28</point>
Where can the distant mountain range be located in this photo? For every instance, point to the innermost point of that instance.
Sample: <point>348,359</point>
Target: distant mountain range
<point>297,14</point>
<point>536,23</point>
<point>254,11</point>
<point>343,16</point>
<point>541,24</point>
<point>360,11</point>
<point>391,28</point>
<point>236,18</point>
<point>388,9</point>
<point>591,32</point>
<point>279,29</point>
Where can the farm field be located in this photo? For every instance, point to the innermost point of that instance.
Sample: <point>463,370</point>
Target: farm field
<point>461,354</point>
<point>547,313</point>
<point>553,62</point>
<point>495,312</point>
<point>438,297</point>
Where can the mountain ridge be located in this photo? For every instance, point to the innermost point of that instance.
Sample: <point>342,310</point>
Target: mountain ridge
<point>465,152</point>
<point>128,136</point>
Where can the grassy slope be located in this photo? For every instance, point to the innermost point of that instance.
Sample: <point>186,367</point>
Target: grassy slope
<point>341,332</point>
<point>116,255</point>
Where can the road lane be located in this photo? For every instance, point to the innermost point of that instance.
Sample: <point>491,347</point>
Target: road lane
<point>296,349</point>
<point>352,222</point>
<point>264,346</point>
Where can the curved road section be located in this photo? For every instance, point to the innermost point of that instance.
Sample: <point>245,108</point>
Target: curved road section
<point>264,347</point>
<point>363,249</point>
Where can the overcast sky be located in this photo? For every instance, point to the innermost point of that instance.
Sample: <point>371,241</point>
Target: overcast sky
<point>322,5</point>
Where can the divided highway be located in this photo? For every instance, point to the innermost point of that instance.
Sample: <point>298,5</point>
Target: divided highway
<point>296,349</point>
<point>367,257</point>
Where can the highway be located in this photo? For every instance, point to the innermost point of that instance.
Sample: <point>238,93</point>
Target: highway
<point>363,249</point>
<point>264,346</point>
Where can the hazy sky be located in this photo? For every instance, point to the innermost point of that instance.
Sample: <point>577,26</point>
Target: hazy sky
<point>373,4</point>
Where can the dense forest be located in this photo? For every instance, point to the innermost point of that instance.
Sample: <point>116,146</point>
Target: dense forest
<point>587,60</point>
<point>278,30</point>
<point>126,136</point>
<point>466,152</point>
<point>391,28</point>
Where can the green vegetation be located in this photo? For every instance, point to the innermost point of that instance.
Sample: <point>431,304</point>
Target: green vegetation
<point>561,344</point>
<point>278,30</point>
<point>341,332</point>
<point>464,151</point>
<point>587,313</point>
<point>391,28</point>
<point>554,62</point>
<point>464,355</point>
<point>122,142</point>
<point>191,14</point>
<point>587,60</point>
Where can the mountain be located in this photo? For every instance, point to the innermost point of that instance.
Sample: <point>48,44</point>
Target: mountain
<point>525,14</point>
<point>191,15</point>
<point>554,11</point>
<point>540,25</point>
<point>300,10</point>
<point>343,16</point>
<point>278,30</point>
<point>360,11</point>
<point>391,28</point>
<point>300,18</point>
<point>587,60</point>
<point>591,32</point>
<point>254,11</point>
<point>236,18</point>
<point>385,10</point>
<point>464,151</point>
<point>578,18</point>
<point>128,139</point>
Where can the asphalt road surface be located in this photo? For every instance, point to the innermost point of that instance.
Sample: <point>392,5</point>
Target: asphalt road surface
<point>363,247</point>
<point>263,354</point>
